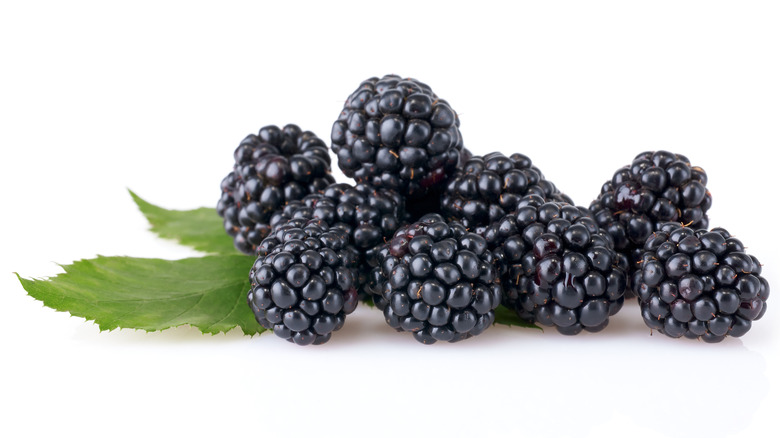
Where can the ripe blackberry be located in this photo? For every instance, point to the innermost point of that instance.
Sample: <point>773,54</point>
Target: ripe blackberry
<point>437,281</point>
<point>272,168</point>
<point>699,284</point>
<point>657,187</point>
<point>487,188</point>
<point>396,133</point>
<point>369,215</point>
<point>304,281</point>
<point>557,267</point>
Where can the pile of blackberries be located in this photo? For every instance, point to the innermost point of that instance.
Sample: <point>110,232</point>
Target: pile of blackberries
<point>437,238</point>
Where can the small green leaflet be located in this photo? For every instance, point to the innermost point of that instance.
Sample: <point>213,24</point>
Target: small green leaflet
<point>153,294</point>
<point>506,316</point>
<point>208,292</point>
<point>200,228</point>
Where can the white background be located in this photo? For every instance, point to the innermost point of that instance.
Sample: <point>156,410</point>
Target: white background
<point>154,96</point>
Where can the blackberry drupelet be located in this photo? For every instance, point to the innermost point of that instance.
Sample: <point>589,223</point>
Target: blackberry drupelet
<point>395,133</point>
<point>271,168</point>
<point>437,281</point>
<point>699,284</point>
<point>557,267</point>
<point>303,283</point>
<point>657,187</point>
<point>487,188</point>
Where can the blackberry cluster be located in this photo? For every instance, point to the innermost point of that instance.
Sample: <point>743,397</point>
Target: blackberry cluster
<point>557,267</point>
<point>488,188</point>
<point>304,281</point>
<point>437,281</point>
<point>699,284</point>
<point>657,187</point>
<point>438,238</point>
<point>395,133</point>
<point>271,168</point>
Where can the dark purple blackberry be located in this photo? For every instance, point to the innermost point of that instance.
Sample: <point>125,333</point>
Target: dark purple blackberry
<point>272,168</point>
<point>368,215</point>
<point>657,187</point>
<point>437,281</point>
<point>395,133</point>
<point>699,284</point>
<point>304,281</point>
<point>487,188</point>
<point>557,267</point>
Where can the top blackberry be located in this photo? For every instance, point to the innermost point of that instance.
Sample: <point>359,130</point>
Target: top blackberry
<point>272,168</point>
<point>395,133</point>
<point>657,187</point>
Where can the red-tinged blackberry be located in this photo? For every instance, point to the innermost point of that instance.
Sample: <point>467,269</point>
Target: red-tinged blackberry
<point>437,280</point>
<point>271,168</point>
<point>557,267</point>
<point>487,188</point>
<point>395,133</point>
<point>657,187</point>
<point>304,281</point>
<point>699,284</point>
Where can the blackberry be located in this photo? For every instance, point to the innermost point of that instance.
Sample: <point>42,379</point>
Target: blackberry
<point>369,215</point>
<point>657,187</point>
<point>303,283</point>
<point>699,284</point>
<point>396,133</point>
<point>487,188</point>
<point>271,168</point>
<point>437,281</point>
<point>557,267</point>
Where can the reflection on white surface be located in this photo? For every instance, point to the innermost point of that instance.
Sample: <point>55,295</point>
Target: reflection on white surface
<point>507,380</point>
<point>673,387</point>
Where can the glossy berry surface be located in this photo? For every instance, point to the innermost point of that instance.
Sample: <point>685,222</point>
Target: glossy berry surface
<point>699,284</point>
<point>272,168</point>
<point>368,215</point>
<point>487,188</point>
<point>657,187</point>
<point>557,267</point>
<point>437,281</point>
<point>303,283</point>
<point>395,133</point>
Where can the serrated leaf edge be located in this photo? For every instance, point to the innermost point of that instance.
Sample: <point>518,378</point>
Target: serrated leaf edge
<point>206,330</point>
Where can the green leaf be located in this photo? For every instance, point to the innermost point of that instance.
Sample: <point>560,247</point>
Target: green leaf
<point>200,228</point>
<point>153,294</point>
<point>506,316</point>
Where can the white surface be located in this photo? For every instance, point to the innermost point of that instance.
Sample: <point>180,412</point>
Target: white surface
<point>96,98</point>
